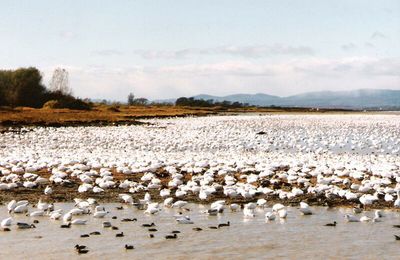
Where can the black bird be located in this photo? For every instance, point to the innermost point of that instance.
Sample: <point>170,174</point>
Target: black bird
<point>176,232</point>
<point>149,225</point>
<point>114,217</point>
<point>227,224</point>
<point>85,235</point>
<point>152,229</point>
<point>397,237</point>
<point>120,234</point>
<point>128,219</point>
<point>396,226</point>
<point>83,251</point>
<point>129,247</point>
<point>114,228</point>
<point>213,227</point>
<point>36,221</point>
<point>331,224</point>
<point>95,233</point>
<point>197,229</point>
<point>6,229</point>
<point>66,226</point>
<point>77,247</point>
<point>22,225</point>
<point>151,235</point>
<point>171,236</point>
<point>106,224</point>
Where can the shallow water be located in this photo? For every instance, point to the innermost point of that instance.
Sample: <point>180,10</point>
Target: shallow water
<point>298,237</point>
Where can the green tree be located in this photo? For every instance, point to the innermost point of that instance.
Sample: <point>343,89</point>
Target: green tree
<point>26,88</point>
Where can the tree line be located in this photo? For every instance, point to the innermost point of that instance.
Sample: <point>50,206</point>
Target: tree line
<point>192,102</point>
<point>24,87</point>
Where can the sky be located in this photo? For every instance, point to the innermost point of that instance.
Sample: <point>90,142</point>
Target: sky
<point>166,49</point>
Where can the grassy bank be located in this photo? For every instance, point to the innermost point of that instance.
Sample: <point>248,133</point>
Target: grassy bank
<point>118,115</point>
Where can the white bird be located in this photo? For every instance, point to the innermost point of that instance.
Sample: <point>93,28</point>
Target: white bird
<point>76,211</point>
<point>261,202</point>
<point>388,197</point>
<point>282,213</point>
<point>250,205</point>
<point>219,204</point>
<point>184,220</point>
<point>152,208</point>
<point>365,219</point>
<point>165,193</point>
<point>99,212</point>
<point>91,201</point>
<point>234,207</point>
<point>67,217</point>
<point>397,201</point>
<point>147,197</point>
<point>351,218</point>
<point>11,205</point>
<point>21,208</point>
<point>6,222</point>
<point>277,207</point>
<point>126,198</point>
<point>367,199</point>
<point>270,216</point>
<point>42,205</point>
<point>78,222</point>
<point>168,202</point>
<point>55,215</point>
<point>21,202</point>
<point>97,189</point>
<point>249,212</point>
<point>305,209</point>
<point>37,213</point>
<point>179,204</point>
<point>378,213</point>
<point>48,190</point>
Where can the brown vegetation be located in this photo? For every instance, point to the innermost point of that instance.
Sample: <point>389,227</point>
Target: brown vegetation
<point>118,115</point>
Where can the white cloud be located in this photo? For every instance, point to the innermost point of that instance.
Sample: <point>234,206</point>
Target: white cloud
<point>283,78</point>
<point>108,52</point>
<point>348,47</point>
<point>253,51</point>
<point>378,35</point>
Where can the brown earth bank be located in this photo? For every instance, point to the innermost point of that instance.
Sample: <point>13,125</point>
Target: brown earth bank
<point>66,192</point>
<point>102,115</point>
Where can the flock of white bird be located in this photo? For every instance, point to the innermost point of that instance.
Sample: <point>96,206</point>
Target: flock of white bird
<point>352,157</point>
<point>91,207</point>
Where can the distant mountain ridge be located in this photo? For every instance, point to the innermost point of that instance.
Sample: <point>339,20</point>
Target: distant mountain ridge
<point>353,99</point>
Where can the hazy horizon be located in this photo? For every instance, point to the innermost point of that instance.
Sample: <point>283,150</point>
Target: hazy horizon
<point>162,50</point>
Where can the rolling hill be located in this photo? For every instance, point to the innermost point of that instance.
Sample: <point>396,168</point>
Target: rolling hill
<point>354,99</point>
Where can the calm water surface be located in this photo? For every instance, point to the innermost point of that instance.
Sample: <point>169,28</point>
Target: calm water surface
<point>299,237</point>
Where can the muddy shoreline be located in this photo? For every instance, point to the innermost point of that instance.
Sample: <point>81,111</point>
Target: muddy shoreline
<point>68,191</point>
